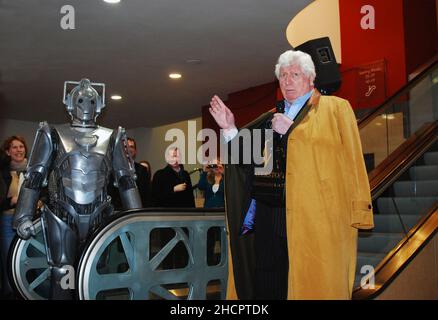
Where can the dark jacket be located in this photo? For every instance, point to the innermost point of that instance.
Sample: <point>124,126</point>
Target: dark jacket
<point>162,189</point>
<point>5,182</point>
<point>143,182</point>
<point>3,189</point>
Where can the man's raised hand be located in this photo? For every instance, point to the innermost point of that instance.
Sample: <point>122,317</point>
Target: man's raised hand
<point>221,113</point>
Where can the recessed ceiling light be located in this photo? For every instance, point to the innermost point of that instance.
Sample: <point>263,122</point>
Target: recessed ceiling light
<point>175,75</point>
<point>116,97</point>
<point>112,1</point>
<point>193,61</point>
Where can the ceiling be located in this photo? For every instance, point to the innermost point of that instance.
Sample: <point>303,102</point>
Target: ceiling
<point>132,46</point>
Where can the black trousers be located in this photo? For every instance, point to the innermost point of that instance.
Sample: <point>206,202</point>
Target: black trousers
<point>272,263</point>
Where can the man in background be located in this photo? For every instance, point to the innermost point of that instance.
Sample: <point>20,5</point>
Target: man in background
<point>143,178</point>
<point>171,186</point>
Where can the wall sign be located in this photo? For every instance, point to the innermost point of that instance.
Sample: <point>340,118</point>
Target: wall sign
<point>371,88</point>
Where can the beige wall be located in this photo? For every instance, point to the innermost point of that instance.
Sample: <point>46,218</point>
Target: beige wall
<point>151,144</point>
<point>319,19</point>
<point>21,128</point>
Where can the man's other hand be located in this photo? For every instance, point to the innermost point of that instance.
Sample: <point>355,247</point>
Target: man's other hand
<point>281,123</point>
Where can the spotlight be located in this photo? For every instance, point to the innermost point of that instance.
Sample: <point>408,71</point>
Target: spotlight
<point>175,75</point>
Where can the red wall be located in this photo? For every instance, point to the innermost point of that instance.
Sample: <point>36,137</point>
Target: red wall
<point>246,104</point>
<point>361,47</point>
<point>420,32</point>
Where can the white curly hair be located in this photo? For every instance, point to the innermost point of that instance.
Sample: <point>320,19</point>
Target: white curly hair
<point>300,58</point>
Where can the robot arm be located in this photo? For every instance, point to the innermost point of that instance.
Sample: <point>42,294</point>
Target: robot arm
<point>35,180</point>
<point>124,173</point>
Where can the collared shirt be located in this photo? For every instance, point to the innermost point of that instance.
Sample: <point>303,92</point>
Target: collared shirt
<point>291,109</point>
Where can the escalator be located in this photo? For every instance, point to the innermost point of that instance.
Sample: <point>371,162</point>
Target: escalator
<point>398,259</point>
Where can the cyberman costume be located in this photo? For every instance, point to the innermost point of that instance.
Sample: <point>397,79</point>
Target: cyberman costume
<point>75,161</point>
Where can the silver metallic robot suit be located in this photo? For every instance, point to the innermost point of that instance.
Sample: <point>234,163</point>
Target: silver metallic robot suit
<point>75,161</point>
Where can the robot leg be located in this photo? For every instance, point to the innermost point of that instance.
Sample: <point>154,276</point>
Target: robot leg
<point>62,244</point>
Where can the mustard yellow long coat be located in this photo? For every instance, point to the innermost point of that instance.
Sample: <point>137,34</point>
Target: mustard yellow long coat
<point>327,200</point>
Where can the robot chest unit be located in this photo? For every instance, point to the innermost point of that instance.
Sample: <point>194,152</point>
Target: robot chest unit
<point>83,163</point>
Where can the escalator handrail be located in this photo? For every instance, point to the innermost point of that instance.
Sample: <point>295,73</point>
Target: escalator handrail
<point>402,254</point>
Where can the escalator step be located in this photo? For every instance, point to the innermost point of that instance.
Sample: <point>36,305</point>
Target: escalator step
<point>431,158</point>
<point>405,206</point>
<point>391,222</point>
<point>424,173</point>
<point>412,200</point>
<point>368,259</point>
<point>378,242</point>
<point>416,188</point>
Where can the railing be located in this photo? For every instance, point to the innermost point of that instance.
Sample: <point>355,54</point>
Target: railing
<point>399,140</point>
<point>397,163</point>
<point>399,257</point>
<point>404,189</point>
<point>144,254</point>
<point>388,126</point>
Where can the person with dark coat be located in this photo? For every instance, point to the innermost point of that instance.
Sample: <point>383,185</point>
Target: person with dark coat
<point>143,177</point>
<point>147,165</point>
<point>171,186</point>
<point>143,181</point>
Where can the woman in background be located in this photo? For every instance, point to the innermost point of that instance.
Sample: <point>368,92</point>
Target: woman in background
<point>12,171</point>
<point>212,183</point>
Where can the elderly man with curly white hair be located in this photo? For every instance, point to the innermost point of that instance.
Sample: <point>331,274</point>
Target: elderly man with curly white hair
<point>304,239</point>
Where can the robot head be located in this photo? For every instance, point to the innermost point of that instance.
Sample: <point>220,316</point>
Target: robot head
<point>83,102</point>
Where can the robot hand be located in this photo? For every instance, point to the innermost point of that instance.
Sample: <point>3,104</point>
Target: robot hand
<point>26,229</point>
